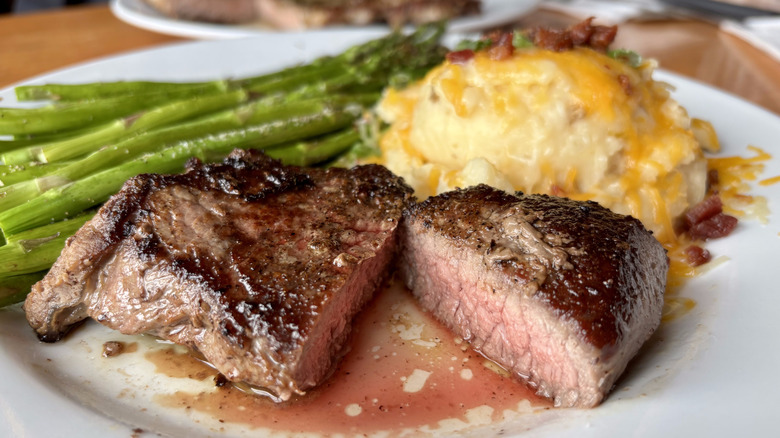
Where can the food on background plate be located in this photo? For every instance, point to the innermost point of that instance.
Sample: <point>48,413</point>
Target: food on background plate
<point>222,11</point>
<point>560,293</point>
<point>550,112</point>
<point>259,267</point>
<point>310,14</point>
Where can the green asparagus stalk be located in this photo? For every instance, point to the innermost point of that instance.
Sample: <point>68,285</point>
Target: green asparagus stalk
<point>320,68</point>
<point>251,82</point>
<point>17,173</point>
<point>66,227</point>
<point>37,249</point>
<point>64,201</point>
<point>290,82</point>
<point>16,260</point>
<point>15,288</point>
<point>21,192</point>
<point>176,111</point>
<point>20,141</point>
<point>102,90</point>
<point>308,153</point>
<point>406,59</point>
<point>76,115</point>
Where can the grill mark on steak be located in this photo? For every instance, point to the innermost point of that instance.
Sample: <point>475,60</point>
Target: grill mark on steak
<point>258,266</point>
<point>567,303</point>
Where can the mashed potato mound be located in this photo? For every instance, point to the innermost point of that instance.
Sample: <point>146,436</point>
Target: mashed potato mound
<point>577,123</point>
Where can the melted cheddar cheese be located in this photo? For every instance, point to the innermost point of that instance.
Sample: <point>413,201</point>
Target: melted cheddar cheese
<point>577,123</point>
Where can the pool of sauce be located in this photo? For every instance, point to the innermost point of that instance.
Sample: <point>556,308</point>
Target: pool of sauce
<point>403,371</point>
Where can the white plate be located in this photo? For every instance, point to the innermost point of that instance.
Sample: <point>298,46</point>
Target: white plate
<point>710,373</point>
<point>138,13</point>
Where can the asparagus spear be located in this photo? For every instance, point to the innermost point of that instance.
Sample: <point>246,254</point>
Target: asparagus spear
<point>23,140</point>
<point>102,90</point>
<point>289,82</point>
<point>17,260</point>
<point>76,115</point>
<point>163,115</point>
<point>37,249</point>
<point>22,172</point>
<point>15,288</point>
<point>308,153</point>
<point>66,227</point>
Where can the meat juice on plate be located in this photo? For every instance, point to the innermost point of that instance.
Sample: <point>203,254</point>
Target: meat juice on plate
<point>403,371</point>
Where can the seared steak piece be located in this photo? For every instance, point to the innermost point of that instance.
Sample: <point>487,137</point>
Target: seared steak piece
<point>561,293</point>
<point>306,14</point>
<point>220,11</point>
<point>258,266</point>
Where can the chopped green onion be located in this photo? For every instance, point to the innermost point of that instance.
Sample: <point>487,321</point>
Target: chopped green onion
<point>520,41</point>
<point>628,56</point>
<point>475,45</point>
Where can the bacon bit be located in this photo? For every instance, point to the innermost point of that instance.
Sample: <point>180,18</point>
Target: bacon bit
<point>625,82</point>
<point>696,255</point>
<point>706,220</point>
<point>713,179</point>
<point>502,48</point>
<point>494,35</point>
<point>460,57</point>
<point>602,37</point>
<point>582,32</point>
<point>702,211</point>
<point>720,225</point>
<point>552,39</point>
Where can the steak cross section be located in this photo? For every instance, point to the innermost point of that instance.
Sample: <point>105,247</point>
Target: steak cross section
<point>561,293</point>
<point>260,267</point>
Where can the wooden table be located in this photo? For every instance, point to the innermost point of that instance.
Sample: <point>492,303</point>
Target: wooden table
<point>36,43</point>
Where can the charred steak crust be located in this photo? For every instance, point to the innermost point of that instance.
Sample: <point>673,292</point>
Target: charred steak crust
<point>258,266</point>
<point>560,292</point>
